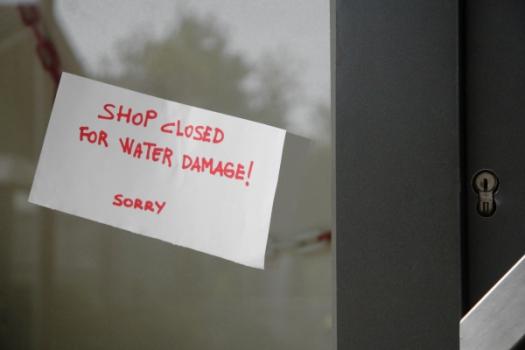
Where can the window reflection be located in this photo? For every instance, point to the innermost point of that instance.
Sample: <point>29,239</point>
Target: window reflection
<point>67,282</point>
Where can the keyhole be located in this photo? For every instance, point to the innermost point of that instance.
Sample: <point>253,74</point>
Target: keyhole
<point>485,184</point>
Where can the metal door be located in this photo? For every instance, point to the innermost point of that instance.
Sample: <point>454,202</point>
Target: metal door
<point>494,77</point>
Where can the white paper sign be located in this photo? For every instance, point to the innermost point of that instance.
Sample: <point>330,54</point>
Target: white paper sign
<point>181,174</point>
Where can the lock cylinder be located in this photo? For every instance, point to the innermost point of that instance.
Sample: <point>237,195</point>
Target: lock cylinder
<point>485,184</point>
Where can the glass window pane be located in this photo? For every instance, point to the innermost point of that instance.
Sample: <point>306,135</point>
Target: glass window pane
<point>67,282</point>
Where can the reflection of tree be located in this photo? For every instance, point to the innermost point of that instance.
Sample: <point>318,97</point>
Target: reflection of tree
<point>193,65</point>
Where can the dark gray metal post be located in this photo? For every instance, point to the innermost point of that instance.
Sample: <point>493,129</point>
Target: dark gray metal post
<point>397,174</point>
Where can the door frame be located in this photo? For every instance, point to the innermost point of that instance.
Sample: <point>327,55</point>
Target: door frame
<point>397,173</point>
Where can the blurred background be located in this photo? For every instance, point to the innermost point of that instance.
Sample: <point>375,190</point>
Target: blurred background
<point>68,283</point>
